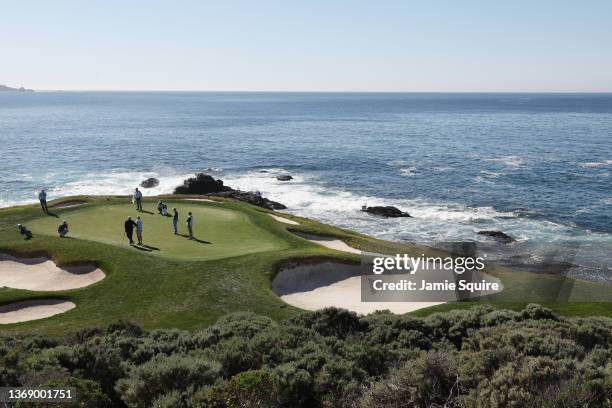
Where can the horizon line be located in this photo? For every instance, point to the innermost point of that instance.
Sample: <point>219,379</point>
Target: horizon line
<point>335,91</point>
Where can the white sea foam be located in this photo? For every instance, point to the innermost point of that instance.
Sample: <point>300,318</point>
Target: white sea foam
<point>596,164</point>
<point>490,174</point>
<point>110,183</point>
<point>308,196</point>
<point>510,161</point>
<point>408,171</point>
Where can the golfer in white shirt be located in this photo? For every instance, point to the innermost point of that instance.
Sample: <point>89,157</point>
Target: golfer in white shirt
<point>139,229</point>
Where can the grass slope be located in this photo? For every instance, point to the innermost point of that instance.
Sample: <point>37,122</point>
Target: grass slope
<point>189,285</point>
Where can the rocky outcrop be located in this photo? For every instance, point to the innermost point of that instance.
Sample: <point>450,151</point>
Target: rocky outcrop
<point>207,185</point>
<point>251,198</point>
<point>284,177</point>
<point>150,183</point>
<point>498,235</point>
<point>4,88</point>
<point>385,211</point>
<point>201,184</point>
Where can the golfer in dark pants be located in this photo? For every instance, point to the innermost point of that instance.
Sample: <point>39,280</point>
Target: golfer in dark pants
<point>138,199</point>
<point>190,225</point>
<point>42,197</point>
<point>175,219</point>
<point>129,226</point>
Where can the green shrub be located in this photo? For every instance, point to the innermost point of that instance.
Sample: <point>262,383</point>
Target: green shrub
<point>88,393</point>
<point>163,374</point>
<point>479,357</point>
<point>430,380</point>
<point>331,321</point>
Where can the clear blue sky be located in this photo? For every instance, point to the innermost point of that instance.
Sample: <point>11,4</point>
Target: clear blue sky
<point>309,45</point>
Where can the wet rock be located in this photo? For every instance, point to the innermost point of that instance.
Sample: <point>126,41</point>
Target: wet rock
<point>498,235</point>
<point>204,184</point>
<point>201,184</point>
<point>385,211</point>
<point>150,183</point>
<point>284,177</point>
<point>251,198</point>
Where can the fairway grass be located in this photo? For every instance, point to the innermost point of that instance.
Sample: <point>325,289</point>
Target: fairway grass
<point>189,285</point>
<point>219,232</point>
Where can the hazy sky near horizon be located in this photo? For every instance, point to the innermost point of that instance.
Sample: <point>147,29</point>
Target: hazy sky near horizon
<point>308,45</point>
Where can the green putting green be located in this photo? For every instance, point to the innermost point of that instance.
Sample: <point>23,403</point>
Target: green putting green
<point>219,232</point>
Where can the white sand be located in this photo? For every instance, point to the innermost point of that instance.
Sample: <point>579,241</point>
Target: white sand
<point>284,220</point>
<point>42,274</point>
<point>26,310</point>
<point>346,294</point>
<point>68,204</point>
<point>329,242</point>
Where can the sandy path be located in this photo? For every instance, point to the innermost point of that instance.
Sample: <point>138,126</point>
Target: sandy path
<point>42,274</point>
<point>26,310</point>
<point>69,204</point>
<point>284,220</point>
<point>201,199</point>
<point>329,242</point>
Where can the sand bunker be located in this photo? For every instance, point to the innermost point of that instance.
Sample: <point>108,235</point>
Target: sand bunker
<point>325,284</point>
<point>67,204</point>
<point>329,242</point>
<point>42,274</point>
<point>284,220</point>
<point>26,310</point>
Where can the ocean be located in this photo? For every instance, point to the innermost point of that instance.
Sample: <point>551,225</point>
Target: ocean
<point>535,166</point>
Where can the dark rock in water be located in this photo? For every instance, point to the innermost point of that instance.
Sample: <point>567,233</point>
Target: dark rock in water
<point>150,183</point>
<point>205,184</point>
<point>251,198</point>
<point>498,235</point>
<point>201,184</point>
<point>385,211</point>
<point>284,177</point>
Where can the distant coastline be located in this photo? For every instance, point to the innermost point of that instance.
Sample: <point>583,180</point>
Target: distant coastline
<point>4,88</point>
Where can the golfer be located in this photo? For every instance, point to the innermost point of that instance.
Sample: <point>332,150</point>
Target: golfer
<point>129,229</point>
<point>62,230</point>
<point>175,219</point>
<point>139,229</point>
<point>42,197</point>
<point>190,225</point>
<point>138,199</point>
<point>24,231</point>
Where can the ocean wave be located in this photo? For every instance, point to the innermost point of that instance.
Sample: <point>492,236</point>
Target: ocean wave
<point>491,174</point>
<point>309,196</point>
<point>117,183</point>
